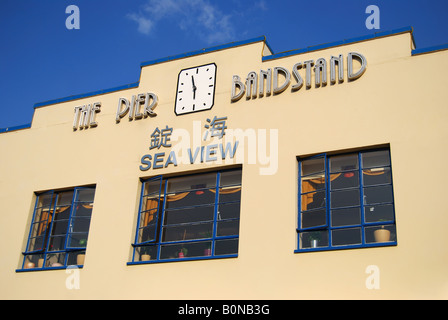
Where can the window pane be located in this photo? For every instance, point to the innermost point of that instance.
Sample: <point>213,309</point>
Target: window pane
<point>80,225</point>
<point>312,166</point>
<point>36,243</point>
<point>153,187</point>
<point>313,200</point>
<point>313,239</point>
<point>77,240</point>
<point>229,178</point>
<point>86,195</point>
<point>345,198</point>
<point>185,250</point>
<point>56,243</point>
<point>380,234</point>
<point>375,159</point>
<point>83,210</point>
<point>147,233</point>
<point>45,200</point>
<point>341,237</point>
<point>75,258</point>
<point>60,227</point>
<point>148,218</point>
<point>228,211</point>
<point>42,214</point>
<point>228,228</point>
<point>187,232</point>
<point>55,260</point>
<point>377,176</point>
<point>344,180</point>
<point>229,194</point>
<point>344,163</point>
<point>345,217</point>
<point>196,214</point>
<point>314,218</point>
<point>203,181</point>
<point>39,228</point>
<point>145,253</point>
<point>32,261</point>
<point>377,213</point>
<point>313,183</point>
<point>378,194</point>
<point>190,198</point>
<point>228,246</point>
<point>65,198</point>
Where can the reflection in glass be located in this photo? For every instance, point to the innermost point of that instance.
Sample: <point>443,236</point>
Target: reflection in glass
<point>377,176</point>
<point>350,236</point>
<point>228,246</point>
<point>314,218</point>
<point>349,179</point>
<point>313,200</point>
<point>345,217</point>
<point>375,159</point>
<point>345,198</point>
<point>379,212</point>
<point>230,178</point>
<point>187,232</point>
<point>190,198</point>
<point>344,163</point>
<point>382,194</point>
<point>312,166</point>
<point>188,215</point>
<point>313,183</point>
<point>203,181</point>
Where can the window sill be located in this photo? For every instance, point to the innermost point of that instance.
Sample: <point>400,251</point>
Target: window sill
<point>50,268</point>
<point>370,245</point>
<point>183,259</point>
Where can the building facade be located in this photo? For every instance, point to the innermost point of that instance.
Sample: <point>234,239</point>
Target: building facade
<point>236,173</point>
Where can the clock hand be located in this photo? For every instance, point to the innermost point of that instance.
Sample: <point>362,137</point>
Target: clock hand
<point>194,87</point>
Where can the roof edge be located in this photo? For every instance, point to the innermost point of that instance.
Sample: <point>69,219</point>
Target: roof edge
<point>432,49</point>
<point>15,128</point>
<point>376,35</point>
<point>205,50</point>
<point>87,95</point>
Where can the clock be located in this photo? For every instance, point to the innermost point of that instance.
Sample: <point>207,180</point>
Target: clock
<point>195,89</point>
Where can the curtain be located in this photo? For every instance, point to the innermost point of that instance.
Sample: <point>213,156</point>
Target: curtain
<point>310,185</point>
<point>48,214</point>
<point>227,191</point>
<point>153,203</point>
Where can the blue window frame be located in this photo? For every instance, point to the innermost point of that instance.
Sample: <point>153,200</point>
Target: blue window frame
<point>59,229</point>
<point>188,218</point>
<point>346,201</point>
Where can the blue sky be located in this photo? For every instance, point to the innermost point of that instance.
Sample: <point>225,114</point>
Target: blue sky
<point>40,59</point>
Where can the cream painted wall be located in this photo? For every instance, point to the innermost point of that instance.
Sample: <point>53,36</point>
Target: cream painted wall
<point>400,101</point>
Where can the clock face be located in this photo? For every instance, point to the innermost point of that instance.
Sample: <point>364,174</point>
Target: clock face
<point>196,89</point>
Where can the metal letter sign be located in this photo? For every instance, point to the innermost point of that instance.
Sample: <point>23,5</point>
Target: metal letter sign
<point>255,84</point>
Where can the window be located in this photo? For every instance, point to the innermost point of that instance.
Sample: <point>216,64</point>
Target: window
<point>346,201</point>
<point>190,217</point>
<point>59,229</point>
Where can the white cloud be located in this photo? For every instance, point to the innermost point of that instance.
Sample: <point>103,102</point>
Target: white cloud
<point>144,25</point>
<point>202,17</point>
